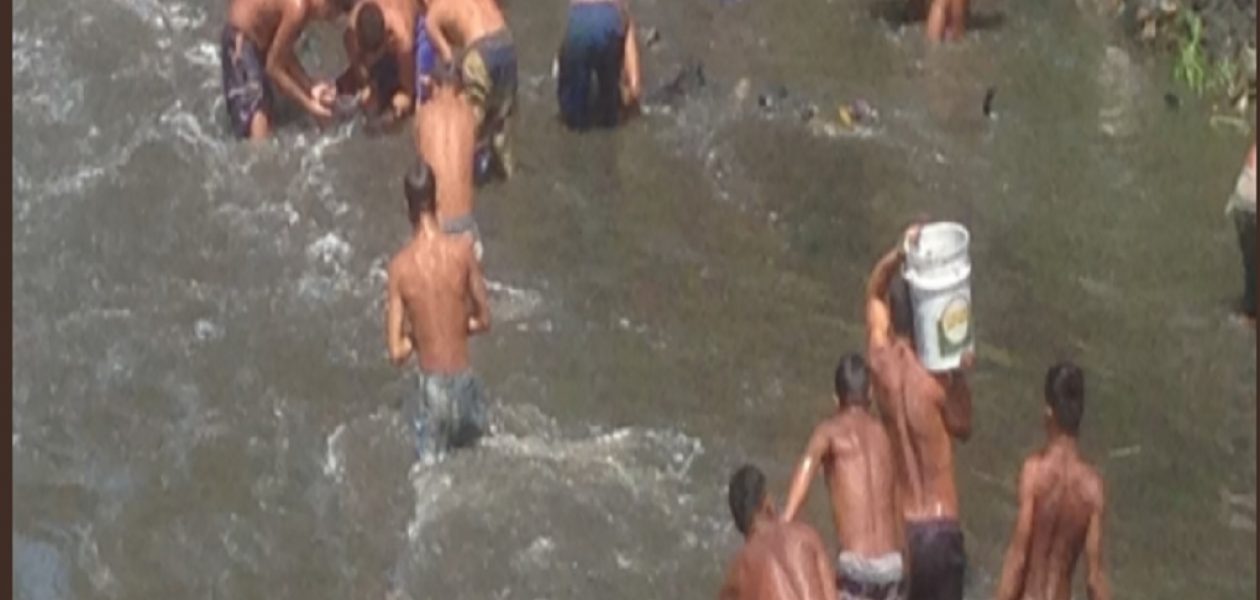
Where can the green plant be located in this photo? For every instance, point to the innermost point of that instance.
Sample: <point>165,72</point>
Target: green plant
<point>1192,63</point>
<point>1224,74</point>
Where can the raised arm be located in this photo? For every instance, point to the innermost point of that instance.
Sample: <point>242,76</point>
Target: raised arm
<point>1096,581</point>
<point>1011,584</point>
<point>396,340</point>
<point>805,472</point>
<point>479,321</point>
<point>283,67</point>
<point>433,22</point>
<point>878,314</point>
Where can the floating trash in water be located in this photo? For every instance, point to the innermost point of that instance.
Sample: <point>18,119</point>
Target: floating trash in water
<point>207,330</point>
<point>987,107</point>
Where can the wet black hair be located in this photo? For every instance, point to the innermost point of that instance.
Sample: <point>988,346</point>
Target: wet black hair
<point>900,306</point>
<point>852,380</point>
<point>745,494</point>
<point>1065,394</point>
<point>420,190</point>
<point>369,27</point>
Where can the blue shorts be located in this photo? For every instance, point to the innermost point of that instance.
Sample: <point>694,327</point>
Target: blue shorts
<point>448,412</point>
<point>589,87</point>
<point>426,58</point>
<point>246,88</point>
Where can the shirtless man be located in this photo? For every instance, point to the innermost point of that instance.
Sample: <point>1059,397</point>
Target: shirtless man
<point>779,561</point>
<point>946,20</point>
<point>854,449</point>
<point>921,411</point>
<point>473,36</point>
<point>381,47</point>
<point>256,52</point>
<point>433,282</point>
<point>600,44</point>
<point>1061,505</point>
<point>444,131</point>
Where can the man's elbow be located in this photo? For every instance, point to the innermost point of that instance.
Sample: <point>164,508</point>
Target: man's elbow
<point>963,434</point>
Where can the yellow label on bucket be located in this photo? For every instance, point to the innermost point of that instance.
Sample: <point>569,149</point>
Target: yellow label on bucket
<point>954,325</point>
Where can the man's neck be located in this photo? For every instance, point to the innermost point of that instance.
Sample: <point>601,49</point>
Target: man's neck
<point>427,226</point>
<point>1060,442</point>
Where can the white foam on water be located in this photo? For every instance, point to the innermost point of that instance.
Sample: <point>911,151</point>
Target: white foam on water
<point>334,456</point>
<point>510,304</point>
<point>207,330</point>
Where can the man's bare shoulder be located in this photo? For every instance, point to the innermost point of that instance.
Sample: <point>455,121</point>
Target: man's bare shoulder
<point>401,263</point>
<point>1091,483</point>
<point>801,533</point>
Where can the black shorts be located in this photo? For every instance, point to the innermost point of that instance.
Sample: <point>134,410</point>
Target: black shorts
<point>937,560</point>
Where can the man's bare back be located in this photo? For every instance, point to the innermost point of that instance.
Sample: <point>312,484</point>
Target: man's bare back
<point>860,473</point>
<point>785,561</point>
<point>433,277</point>
<point>1061,505</point>
<point>779,561</point>
<point>455,24</point>
<point>445,133</point>
<point>913,403</point>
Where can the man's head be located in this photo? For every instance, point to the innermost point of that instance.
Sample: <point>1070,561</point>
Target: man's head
<point>1065,397</point>
<point>852,382</point>
<point>900,306</point>
<point>369,29</point>
<point>420,190</point>
<point>746,495</point>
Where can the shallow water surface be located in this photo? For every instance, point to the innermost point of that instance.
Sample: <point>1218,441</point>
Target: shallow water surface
<point>203,407</point>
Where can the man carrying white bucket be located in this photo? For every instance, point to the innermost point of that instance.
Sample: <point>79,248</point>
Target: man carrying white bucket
<point>922,411</point>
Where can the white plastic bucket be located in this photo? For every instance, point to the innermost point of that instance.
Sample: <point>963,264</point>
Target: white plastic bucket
<point>938,272</point>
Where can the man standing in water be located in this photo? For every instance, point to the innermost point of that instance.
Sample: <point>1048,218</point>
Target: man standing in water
<point>433,281</point>
<point>1242,209</point>
<point>921,411</point>
<point>256,51</point>
<point>1061,505</point>
<point>473,36</point>
<point>779,560</point>
<point>861,479</point>
<point>444,138</point>
<point>599,43</point>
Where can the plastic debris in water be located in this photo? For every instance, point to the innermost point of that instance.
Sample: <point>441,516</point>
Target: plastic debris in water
<point>988,102</point>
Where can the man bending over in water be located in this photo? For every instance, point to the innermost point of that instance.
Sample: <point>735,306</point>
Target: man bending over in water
<point>599,43</point>
<point>921,411</point>
<point>861,479</point>
<point>433,281</point>
<point>444,131</point>
<point>779,561</point>
<point>472,35</point>
<point>256,51</point>
<point>1061,505</point>
<point>381,47</point>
